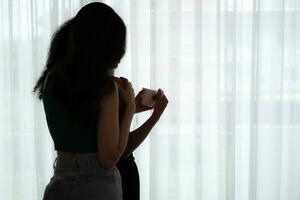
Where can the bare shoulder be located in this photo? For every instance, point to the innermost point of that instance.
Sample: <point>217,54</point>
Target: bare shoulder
<point>111,97</point>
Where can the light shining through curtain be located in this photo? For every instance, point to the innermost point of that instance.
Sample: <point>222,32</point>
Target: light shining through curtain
<point>229,68</point>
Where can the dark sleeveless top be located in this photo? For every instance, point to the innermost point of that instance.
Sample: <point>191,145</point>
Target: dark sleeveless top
<point>68,134</point>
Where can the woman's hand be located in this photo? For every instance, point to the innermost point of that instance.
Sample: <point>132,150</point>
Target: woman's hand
<point>160,104</point>
<point>128,95</point>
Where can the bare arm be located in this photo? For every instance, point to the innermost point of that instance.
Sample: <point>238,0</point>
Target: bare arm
<point>137,136</point>
<point>112,136</point>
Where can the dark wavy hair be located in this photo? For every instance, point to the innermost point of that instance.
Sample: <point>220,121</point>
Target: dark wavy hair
<point>83,54</point>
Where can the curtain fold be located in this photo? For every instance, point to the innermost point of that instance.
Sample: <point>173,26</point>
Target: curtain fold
<point>229,68</point>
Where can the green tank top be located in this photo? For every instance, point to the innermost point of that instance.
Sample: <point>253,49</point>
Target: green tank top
<point>68,135</point>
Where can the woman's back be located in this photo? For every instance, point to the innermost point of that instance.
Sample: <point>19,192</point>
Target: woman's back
<point>82,177</point>
<point>68,135</point>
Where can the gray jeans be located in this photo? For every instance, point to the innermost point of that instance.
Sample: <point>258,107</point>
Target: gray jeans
<point>83,178</point>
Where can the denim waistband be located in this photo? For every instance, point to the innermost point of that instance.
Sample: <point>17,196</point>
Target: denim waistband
<point>77,166</point>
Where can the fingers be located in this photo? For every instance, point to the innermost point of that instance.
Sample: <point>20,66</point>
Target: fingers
<point>139,95</point>
<point>160,94</point>
<point>142,91</point>
<point>160,97</point>
<point>123,78</point>
<point>128,83</point>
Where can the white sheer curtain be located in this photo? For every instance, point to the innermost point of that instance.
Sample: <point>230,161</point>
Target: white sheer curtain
<point>230,69</point>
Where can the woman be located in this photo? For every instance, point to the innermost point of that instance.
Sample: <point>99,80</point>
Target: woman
<point>81,103</point>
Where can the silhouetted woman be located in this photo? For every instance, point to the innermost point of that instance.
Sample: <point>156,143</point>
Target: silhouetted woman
<point>81,105</point>
<point>88,114</point>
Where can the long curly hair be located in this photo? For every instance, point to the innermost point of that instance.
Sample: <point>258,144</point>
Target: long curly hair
<point>82,56</point>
